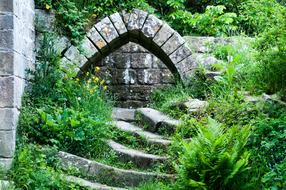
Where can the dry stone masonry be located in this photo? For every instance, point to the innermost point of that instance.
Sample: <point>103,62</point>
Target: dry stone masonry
<point>16,54</point>
<point>132,72</point>
<point>139,27</point>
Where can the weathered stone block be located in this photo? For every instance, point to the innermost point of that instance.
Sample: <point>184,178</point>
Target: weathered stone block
<point>123,76</point>
<point>163,35</point>
<point>8,118</point>
<point>141,60</point>
<point>6,22</point>
<point>118,23</point>
<point>11,90</point>
<point>6,6</point>
<point>173,43</point>
<point>136,20</point>
<point>6,39</point>
<point>158,64</point>
<point>45,20</point>
<point>149,76</point>
<point>7,143</point>
<point>200,44</point>
<point>121,61</point>
<point>180,54</point>
<point>88,49</point>
<point>167,77</point>
<point>96,38</point>
<point>151,26</point>
<point>5,164</point>
<point>137,48</point>
<point>107,30</point>
<point>186,67</point>
<point>73,55</point>
<point>125,17</point>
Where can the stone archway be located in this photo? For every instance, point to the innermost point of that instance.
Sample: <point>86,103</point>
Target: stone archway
<point>137,26</point>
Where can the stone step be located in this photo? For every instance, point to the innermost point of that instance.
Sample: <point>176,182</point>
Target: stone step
<point>192,105</point>
<point>110,175</point>
<point>141,159</point>
<point>90,185</point>
<point>123,114</point>
<point>156,120</point>
<point>151,138</point>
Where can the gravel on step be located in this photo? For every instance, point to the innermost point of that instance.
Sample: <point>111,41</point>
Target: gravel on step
<point>123,114</point>
<point>148,136</point>
<point>84,183</point>
<point>107,174</point>
<point>141,159</point>
<point>157,120</point>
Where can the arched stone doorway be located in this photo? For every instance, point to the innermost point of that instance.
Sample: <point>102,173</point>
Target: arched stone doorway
<point>133,83</point>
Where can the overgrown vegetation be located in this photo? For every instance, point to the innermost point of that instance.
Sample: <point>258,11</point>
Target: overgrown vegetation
<point>241,147</point>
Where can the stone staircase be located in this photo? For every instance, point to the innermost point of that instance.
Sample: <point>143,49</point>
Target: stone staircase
<point>144,124</point>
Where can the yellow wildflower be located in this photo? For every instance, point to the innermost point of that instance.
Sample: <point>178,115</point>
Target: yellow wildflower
<point>105,88</point>
<point>96,79</point>
<point>102,82</point>
<point>48,7</point>
<point>97,69</point>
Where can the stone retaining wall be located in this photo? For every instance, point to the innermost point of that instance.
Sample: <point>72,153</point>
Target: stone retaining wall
<point>16,54</point>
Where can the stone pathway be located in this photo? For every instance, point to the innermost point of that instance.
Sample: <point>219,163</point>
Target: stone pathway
<point>144,125</point>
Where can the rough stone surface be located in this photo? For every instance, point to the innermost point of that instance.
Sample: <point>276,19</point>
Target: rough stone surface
<point>152,26</point>
<point>107,30</point>
<point>156,120</point>
<point>141,159</point>
<point>137,131</point>
<point>8,118</point>
<point>136,20</point>
<point>88,48</point>
<point>73,55</point>
<point>123,114</point>
<point>180,54</point>
<point>163,35</point>
<point>132,72</point>
<point>96,38</point>
<point>193,105</point>
<point>17,37</point>
<point>173,43</point>
<point>110,175</point>
<point>118,23</point>
<point>91,185</point>
<point>7,143</point>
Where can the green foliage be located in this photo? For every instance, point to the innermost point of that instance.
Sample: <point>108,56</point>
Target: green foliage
<point>214,21</point>
<point>215,159</point>
<point>270,72</point>
<point>268,147</point>
<point>257,16</point>
<point>31,170</point>
<point>62,110</point>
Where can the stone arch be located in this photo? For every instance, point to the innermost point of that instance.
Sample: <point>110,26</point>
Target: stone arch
<point>137,26</point>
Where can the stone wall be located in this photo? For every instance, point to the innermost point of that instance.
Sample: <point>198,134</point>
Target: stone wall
<point>16,54</point>
<point>132,72</point>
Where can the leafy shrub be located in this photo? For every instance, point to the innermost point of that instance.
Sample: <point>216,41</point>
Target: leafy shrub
<point>213,21</point>
<point>215,159</point>
<point>32,171</point>
<point>268,147</point>
<point>270,72</point>
<point>259,15</point>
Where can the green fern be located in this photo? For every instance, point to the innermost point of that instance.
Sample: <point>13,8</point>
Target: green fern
<point>215,159</point>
